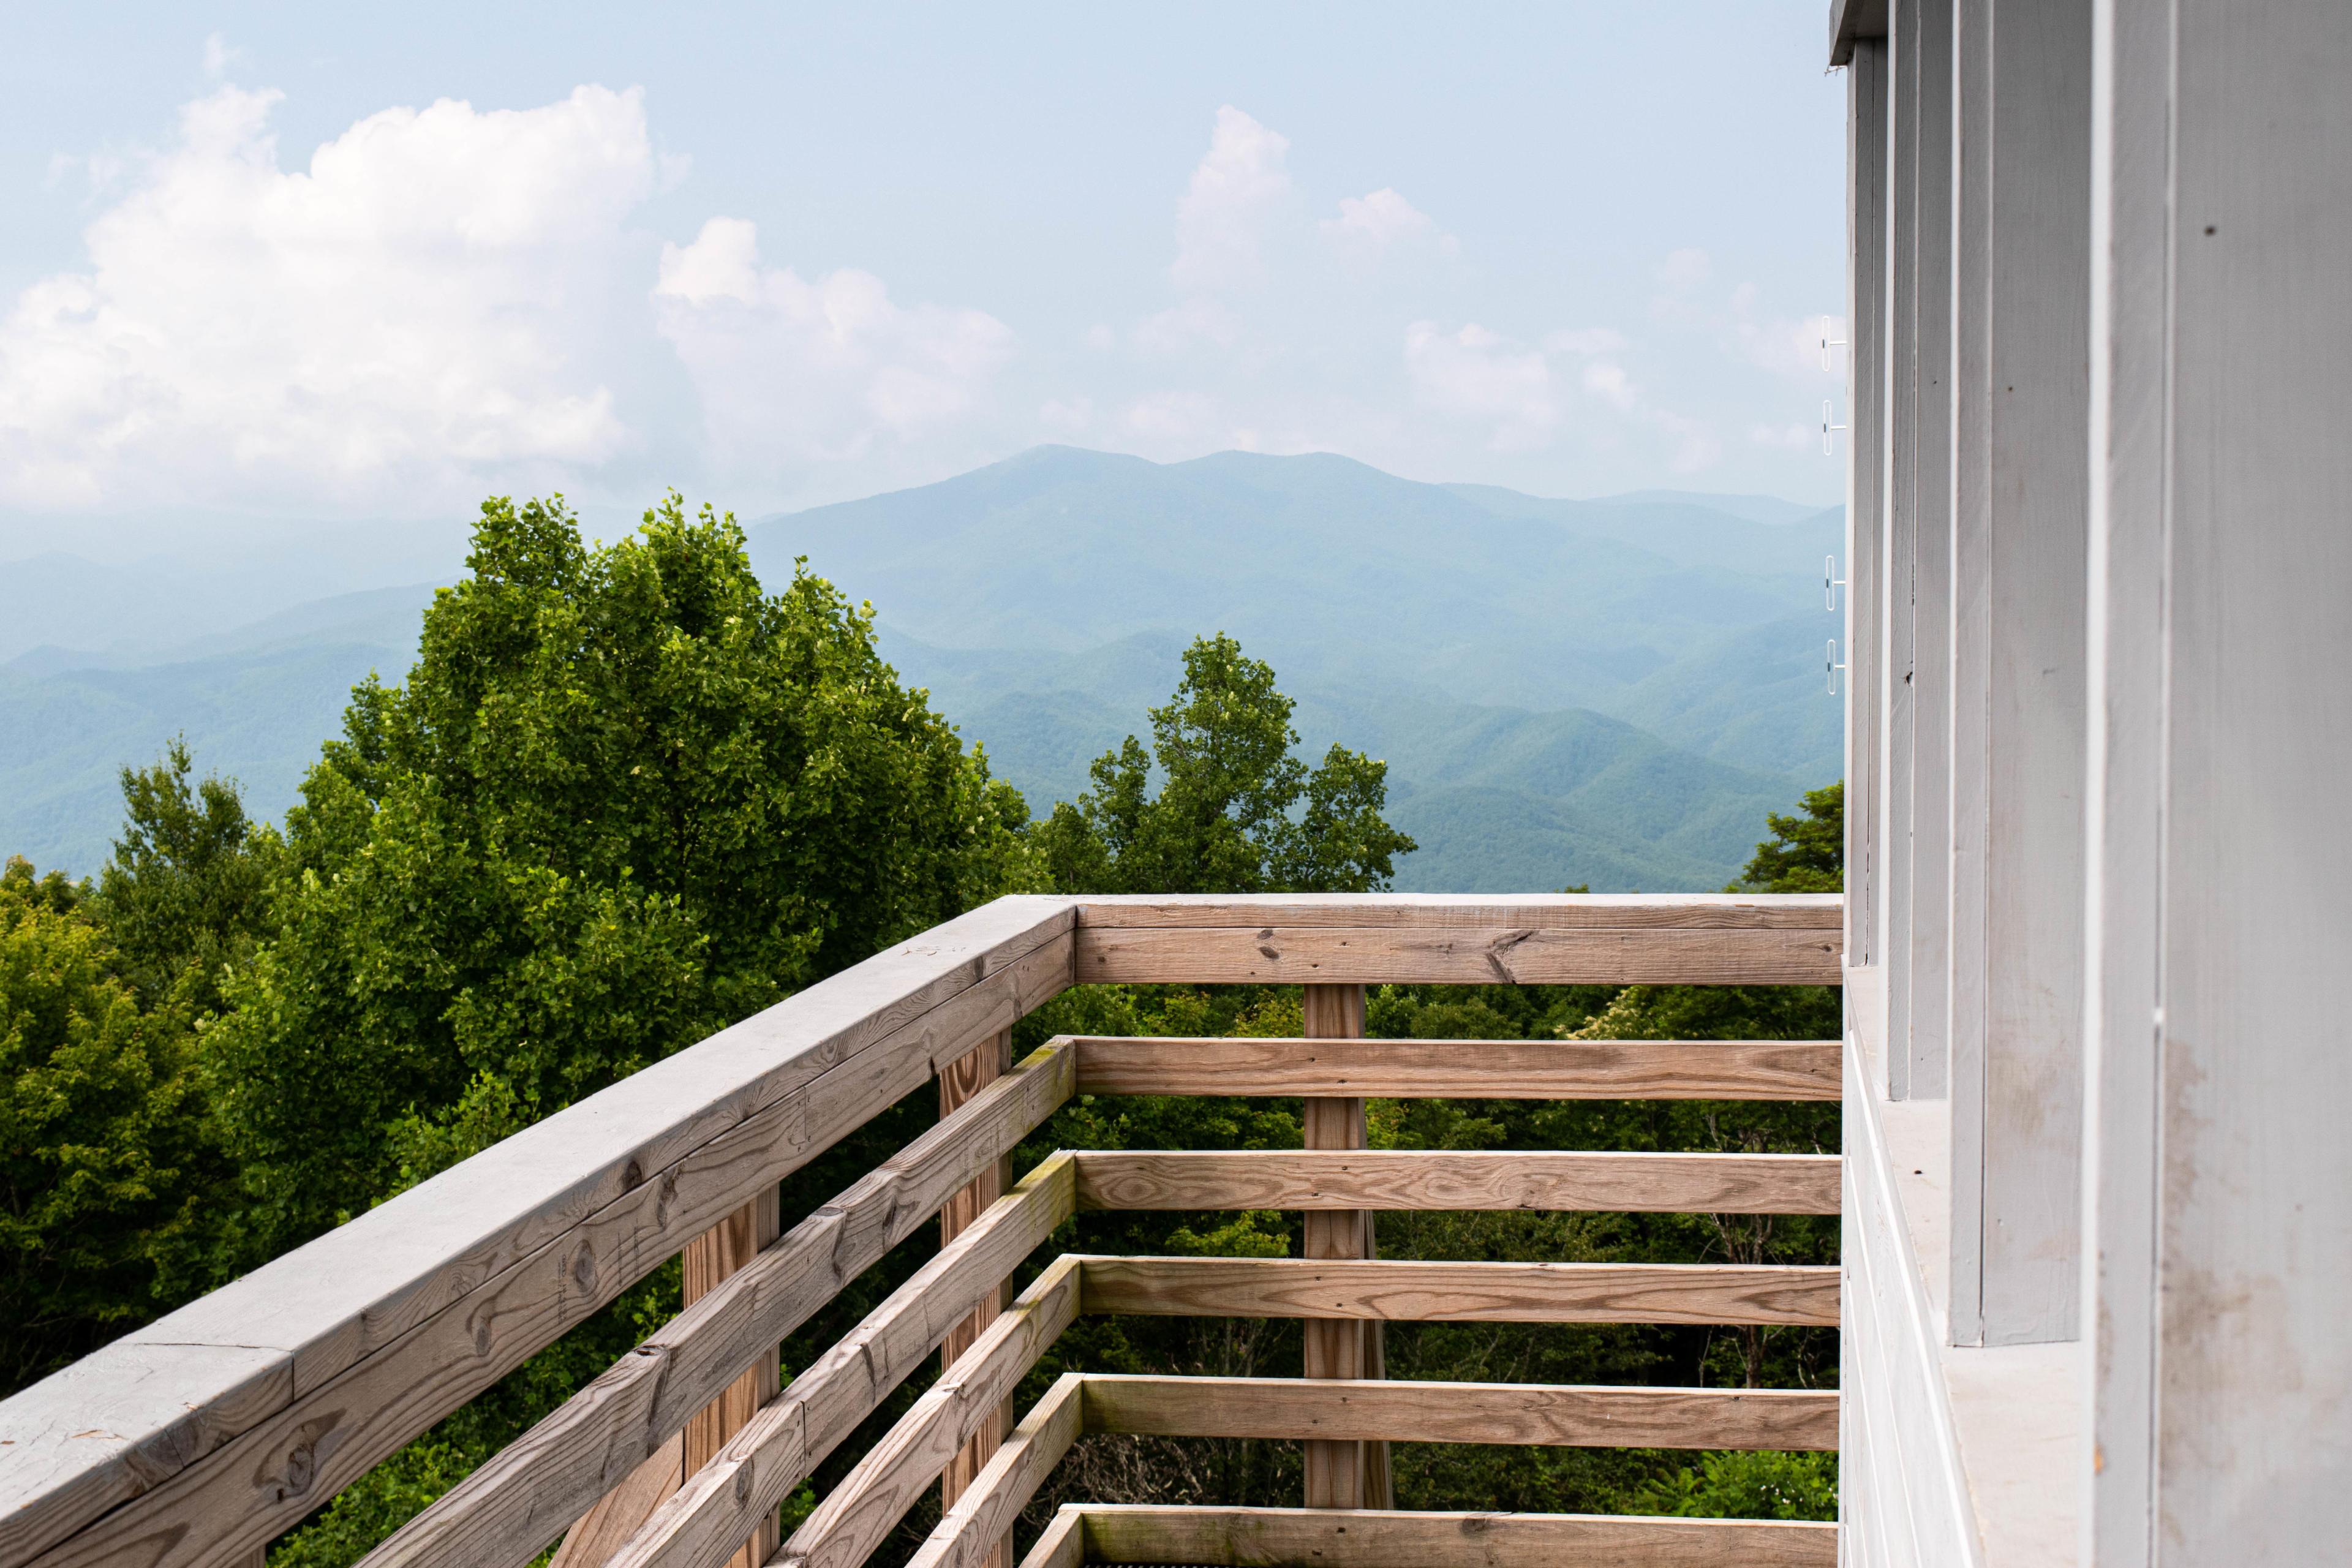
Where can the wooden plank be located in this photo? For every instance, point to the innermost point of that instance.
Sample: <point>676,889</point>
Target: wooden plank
<point>1063,1543</point>
<point>707,1262</point>
<point>1311,1180</point>
<point>1397,1290</point>
<point>378,1329</point>
<point>964,1079</point>
<point>1463,1070</point>
<point>1550,1415</point>
<point>1338,1474</point>
<point>1277,956</point>
<point>1314,1538</point>
<point>716,1509</point>
<point>1562,912</point>
<point>858,1515</point>
<point>501,1514</point>
<point>983,1519</point>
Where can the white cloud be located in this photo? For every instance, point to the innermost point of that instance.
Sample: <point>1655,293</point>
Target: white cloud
<point>1368,225</point>
<point>1609,382</point>
<point>1684,269</point>
<point>1233,190</point>
<point>1476,374</point>
<point>421,306</point>
<point>1783,437</point>
<point>1187,326</point>
<point>1585,341</point>
<point>219,56</point>
<point>789,370</point>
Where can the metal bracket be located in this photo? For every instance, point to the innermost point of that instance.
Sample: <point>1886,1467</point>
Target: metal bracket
<point>1831,581</point>
<point>1827,450</point>
<point>1829,342</point>
<point>1831,662</point>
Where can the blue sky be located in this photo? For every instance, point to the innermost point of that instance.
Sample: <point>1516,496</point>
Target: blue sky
<point>306,263</point>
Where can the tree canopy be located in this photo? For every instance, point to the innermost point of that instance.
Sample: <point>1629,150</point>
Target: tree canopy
<point>1235,812</point>
<point>624,799</point>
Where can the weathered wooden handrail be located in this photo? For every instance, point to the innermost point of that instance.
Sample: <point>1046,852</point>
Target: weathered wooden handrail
<point>208,1434</point>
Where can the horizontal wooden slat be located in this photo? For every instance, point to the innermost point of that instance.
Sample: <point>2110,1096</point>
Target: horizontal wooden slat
<point>1562,912</point>
<point>1397,1290</point>
<point>1423,1179</point>
<point>1305,1409</point>
<point>1446,955</point>
<point>985,1513</point>
<point>1062,1544</point>
<point>1326,1538</point>
<point>858,1514</point>
<point>717,1510</point>
<point>556,1471</point>
<point>1463,1070</point>
<point>501,1310</point>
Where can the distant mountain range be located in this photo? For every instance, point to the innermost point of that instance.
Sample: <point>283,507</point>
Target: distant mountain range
<point>1609,692</point>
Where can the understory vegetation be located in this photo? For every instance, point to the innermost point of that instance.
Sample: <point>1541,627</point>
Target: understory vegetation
<point>625,798</point>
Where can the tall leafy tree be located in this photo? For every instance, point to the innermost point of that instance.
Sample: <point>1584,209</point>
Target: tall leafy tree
<point>109,1178</point>
<point>624,799</point>
<point>1236,811</point>
<point>183,896</point>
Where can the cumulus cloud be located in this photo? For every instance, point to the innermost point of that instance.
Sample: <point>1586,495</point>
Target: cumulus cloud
<point>1368,225</point>
<point>1234,189</point>
<point>1477,374</point>
<point>415,307</point>
<point>788,369</point>
<point>1194,323</point>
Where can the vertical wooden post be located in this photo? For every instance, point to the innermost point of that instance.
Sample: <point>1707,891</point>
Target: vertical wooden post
<point>708,1258</point>
<point>1342,1474</point>
<point>964,1078</point>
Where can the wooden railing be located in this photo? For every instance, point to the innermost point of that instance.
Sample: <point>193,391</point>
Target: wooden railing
<point>203,1437</point>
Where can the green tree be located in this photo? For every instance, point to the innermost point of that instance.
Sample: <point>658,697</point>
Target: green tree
<point>1237,811</point>
<point>1806,854</point>
<point>183,896</point>
<point>624,799</point>
<point>109,1178</point>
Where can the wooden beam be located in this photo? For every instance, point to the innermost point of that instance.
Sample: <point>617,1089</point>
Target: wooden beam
<point>1310,1538</point>
<point>984,1517</point>
<point>858,1514</point>
<point>1414,955</point>
<point>592,1445</point>
<point>1338,1474</point>
<point>720,1504</point>
<point>1063,1543</point>
<point>383,1326</point>
<point>1397,1290</point>
<point>1489,911</point>
<point>960,1082</point>
<point>1425,1179</point>
<point>1557,1415</point>
<point>1463,1070</point>
<point>707,1262</point>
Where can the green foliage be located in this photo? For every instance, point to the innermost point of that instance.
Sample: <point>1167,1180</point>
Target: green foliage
<point>1237,811</point>
<point>1805,854</point>
<point>183,896</point>
<point>1764,1485</point>
<point>109,1178</point>
<point>624,799</point>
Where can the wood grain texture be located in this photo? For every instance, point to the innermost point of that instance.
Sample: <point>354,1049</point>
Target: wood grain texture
<point>1062,1544</point>
<point>503,1512</point>
<point>982,1520</point>
<point>720,1505</point>
<point>1310,1538</point>
<point>382,1326</point>
<point>960,1082</point>
<point>1463,1070</point>
<point>859,1513</point>
<point>709,1259</point>
<point>1550,1414</point>
<point>1440,955</point>
<point>1562,911</point>
<point>1339,1474</point>
<point>1311,1180</point>
<point>1397,1290</point>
